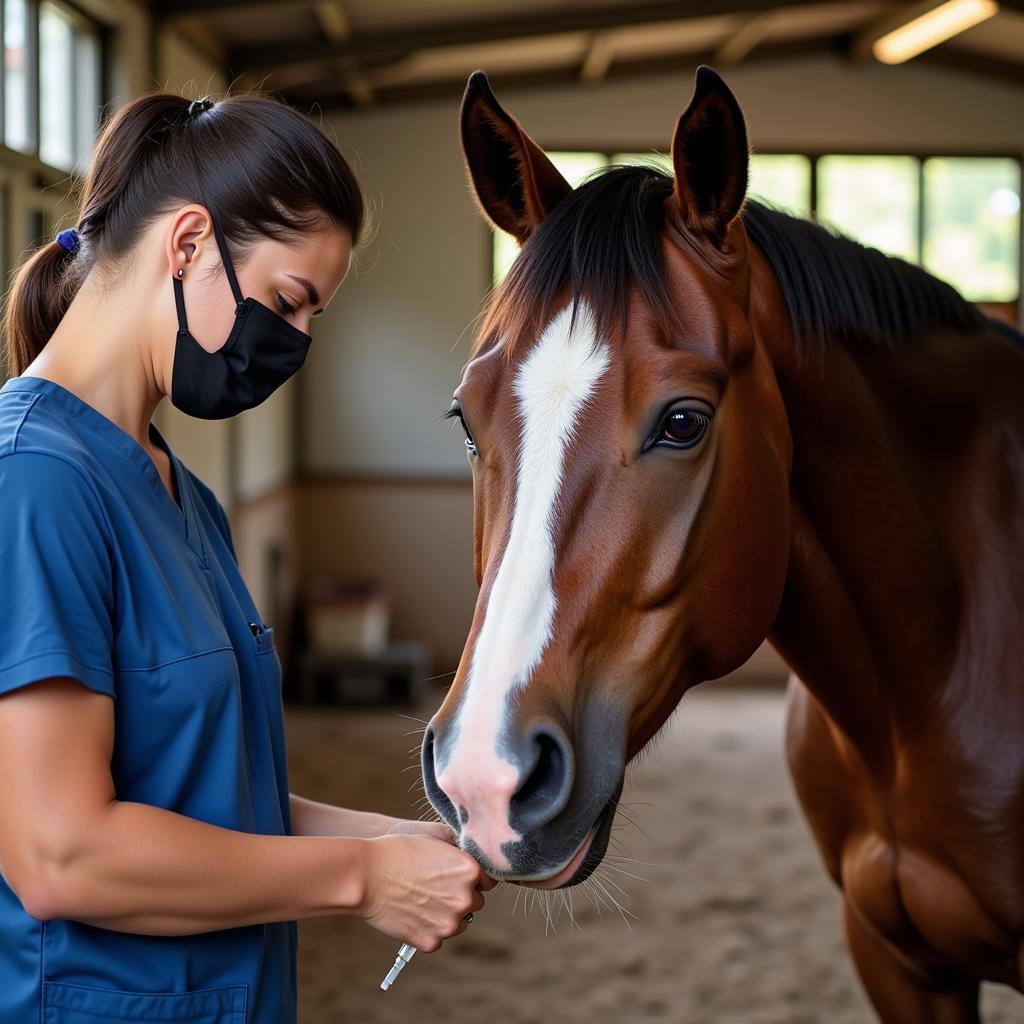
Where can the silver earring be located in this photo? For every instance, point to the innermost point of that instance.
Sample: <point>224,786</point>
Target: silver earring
<point>181,271</point>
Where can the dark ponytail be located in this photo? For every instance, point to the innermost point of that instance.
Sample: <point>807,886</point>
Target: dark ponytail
<point>265,170</point>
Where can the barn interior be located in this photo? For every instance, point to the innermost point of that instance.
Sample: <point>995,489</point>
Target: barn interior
<point>350,498</point>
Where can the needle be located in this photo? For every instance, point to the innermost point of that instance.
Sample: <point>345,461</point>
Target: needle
<point>405,954</point>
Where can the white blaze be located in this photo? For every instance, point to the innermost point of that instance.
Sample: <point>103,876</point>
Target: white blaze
<point>552,385</point>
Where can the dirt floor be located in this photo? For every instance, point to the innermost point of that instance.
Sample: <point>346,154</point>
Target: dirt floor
<point>737,922</point>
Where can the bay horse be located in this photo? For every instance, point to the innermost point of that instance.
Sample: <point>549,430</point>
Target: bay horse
<point>695,422</point>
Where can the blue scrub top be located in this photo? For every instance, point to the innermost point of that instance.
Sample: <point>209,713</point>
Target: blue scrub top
<point>105,579</point>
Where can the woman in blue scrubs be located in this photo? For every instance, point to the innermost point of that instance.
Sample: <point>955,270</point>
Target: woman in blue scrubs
<point>153,861</point>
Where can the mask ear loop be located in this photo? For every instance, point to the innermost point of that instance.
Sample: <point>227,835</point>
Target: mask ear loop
<point>228,268</point>
<point>179,304</point>
<point>179,293</point>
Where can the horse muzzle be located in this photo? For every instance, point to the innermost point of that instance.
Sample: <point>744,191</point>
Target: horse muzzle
<point>533,802</point>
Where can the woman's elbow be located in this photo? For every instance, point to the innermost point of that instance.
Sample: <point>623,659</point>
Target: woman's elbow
<point>39,902</point>
<point>42,878</point>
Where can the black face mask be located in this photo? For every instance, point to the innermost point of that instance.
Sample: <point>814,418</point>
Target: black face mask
<point>262,351</point>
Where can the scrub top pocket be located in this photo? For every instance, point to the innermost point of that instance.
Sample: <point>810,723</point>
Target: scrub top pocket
<point>78,1004</point>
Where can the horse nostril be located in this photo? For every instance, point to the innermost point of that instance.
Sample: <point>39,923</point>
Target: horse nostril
<point>436,795</point>
<point>546,782</point>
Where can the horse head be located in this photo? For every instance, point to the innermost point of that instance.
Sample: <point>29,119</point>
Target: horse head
<point>630,455</point>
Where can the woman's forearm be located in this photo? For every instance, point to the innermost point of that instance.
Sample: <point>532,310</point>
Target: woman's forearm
<point>148,870</point>
<point>312,818</point>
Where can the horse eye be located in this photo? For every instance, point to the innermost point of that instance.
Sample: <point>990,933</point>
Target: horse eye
<point>683,428</point>
<point>455,411</point>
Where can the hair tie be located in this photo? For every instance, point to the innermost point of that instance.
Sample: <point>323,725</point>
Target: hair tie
<point>198,106</point>
<point>68,238</point>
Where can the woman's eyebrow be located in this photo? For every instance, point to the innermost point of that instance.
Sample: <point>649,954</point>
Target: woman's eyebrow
<point>314,296</point>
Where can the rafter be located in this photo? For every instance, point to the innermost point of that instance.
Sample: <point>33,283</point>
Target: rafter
<point>334,20</point>
<point>326,94</point>
<point>598,59</point>
<point>431,36</point>
<point>742,42</point>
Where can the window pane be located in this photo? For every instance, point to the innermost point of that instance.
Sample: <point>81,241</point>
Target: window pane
<point>972,225</point>
<point>506,249</point>
<point>87,95</point>
<point>873,199</point>
<point>16,56</point>
<point>56,95</point>
<point>662,160</point>
<point>783,179</point>
<point>574,167</point>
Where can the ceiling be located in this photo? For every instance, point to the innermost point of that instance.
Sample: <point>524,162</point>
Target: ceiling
<point>357,53</point>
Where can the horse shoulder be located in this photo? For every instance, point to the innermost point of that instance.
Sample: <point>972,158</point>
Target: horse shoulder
<point>826,782</point>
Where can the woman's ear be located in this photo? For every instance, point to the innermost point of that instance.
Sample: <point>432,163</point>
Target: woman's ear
<point>710,155</point>
<point>515,183</point>
<point>190,229</point>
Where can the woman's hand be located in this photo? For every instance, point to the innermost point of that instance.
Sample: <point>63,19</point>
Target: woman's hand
<point>420,888</point>
<point>312,818</point>
<point>437,829</point>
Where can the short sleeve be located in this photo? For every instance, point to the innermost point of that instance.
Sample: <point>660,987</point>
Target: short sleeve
<point>56,595</point>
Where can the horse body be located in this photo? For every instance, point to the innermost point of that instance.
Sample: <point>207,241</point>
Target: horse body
<point>696,423</point>
<point>902,619</point>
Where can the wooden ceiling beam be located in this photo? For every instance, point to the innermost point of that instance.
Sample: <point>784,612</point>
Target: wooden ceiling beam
<point>334,20</point>
<point>327,94</point>
<point>742,42</point>
<point>465,33</point>
<point>598,59</point>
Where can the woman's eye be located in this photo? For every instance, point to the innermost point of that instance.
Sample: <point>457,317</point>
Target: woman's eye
<point>683,428</point>
<point>283,306</point>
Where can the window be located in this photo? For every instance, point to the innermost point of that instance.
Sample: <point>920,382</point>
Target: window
<point>783,180</point>
<point>16,75</point>
<point>52,76</point>
<point>56,67</point>
<point>662,160</point>
<point>957,216</point>
<point>873,199</point>
<point>972,224</point>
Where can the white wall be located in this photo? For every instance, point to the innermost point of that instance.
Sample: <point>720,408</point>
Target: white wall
<point>265,444</point>
<point>389,351</point>
<point>385,355</point>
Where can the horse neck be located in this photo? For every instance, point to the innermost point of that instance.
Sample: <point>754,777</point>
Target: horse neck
<point>888,456</point>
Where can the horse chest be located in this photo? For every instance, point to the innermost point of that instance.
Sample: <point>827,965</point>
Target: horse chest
<point>883,848</point>
<point>924,909</point>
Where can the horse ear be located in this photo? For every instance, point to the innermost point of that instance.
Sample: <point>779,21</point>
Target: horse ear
<point>515,183</point>
<point>710,155</point>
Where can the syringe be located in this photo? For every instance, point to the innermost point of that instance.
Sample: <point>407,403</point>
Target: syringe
<point>405,954</point>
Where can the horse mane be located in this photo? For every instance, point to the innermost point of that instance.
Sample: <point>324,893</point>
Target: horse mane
<point>606,234</point>
<point>837,288</point>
